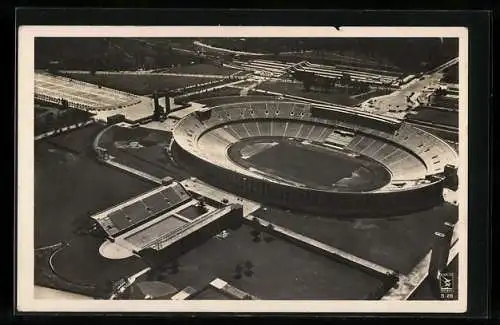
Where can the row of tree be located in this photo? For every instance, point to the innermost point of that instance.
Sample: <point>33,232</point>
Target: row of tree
<point>106,54</point>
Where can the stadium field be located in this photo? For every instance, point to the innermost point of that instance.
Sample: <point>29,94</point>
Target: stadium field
<point>70,184</point>
<point>293,160</point>
<point>269,268</point>
<point>397,242</point>
<point>140,84</point>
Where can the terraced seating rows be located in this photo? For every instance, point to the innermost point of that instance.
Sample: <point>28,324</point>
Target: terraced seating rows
<point>402,164</point>
<point>435,152</point>
<point>138,212</point>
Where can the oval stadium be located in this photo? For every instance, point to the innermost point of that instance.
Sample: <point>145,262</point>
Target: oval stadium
<point>314,158</point>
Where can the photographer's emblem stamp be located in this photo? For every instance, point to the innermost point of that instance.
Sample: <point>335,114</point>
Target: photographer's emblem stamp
<point>447,285</point>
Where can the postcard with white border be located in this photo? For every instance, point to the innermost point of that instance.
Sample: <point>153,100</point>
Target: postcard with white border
<point>242,169</point>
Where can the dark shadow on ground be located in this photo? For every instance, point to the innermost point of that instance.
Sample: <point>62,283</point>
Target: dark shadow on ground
<point>270,268</point>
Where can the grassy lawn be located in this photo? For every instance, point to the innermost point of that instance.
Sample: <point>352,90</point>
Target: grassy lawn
<point>234,98</point>
<point>269,268</point>
<point>70,185</point>
<point>149,158</point>
<point>140,84</point>
<point>337,96</point>
<point>201,68</point>
<point>397,242</point>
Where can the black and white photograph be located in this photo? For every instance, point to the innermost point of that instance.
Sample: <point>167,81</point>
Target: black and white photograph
<point>242,169</point>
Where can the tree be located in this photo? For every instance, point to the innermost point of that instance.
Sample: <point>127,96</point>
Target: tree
<point>364,87</point>
<point>440,92</point>
<point>345,80</point>
<point>93,66</point>
<point>306,78</point>
<point>331,82</point>
<point>64,103</point>
<point>158,109</point>
<point>324,83</point>
<point>149,62</point>
<point>307,83</point>
<point>354,85</point>
<point>49,121</point>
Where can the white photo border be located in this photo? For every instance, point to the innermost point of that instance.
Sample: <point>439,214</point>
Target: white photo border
<point>26,301</point>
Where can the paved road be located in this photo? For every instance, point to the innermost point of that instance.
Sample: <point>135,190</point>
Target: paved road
<point>398,103</point>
